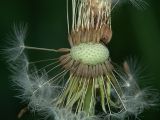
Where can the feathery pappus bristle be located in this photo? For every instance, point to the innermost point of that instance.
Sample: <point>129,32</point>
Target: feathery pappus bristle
<point>15,42</point>
<point>139,4</point>
<point>43,93</point>
<point>20,79</point>
<point>135,99</point>
<point>63,114</point>
<point>32,87</point>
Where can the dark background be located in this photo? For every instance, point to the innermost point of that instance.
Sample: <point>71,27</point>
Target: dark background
<point>135,33</point>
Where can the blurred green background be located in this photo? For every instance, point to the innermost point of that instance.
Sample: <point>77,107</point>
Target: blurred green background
<point>135,33</point>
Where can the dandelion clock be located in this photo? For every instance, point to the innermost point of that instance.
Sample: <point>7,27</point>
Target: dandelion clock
<point>82,83</point>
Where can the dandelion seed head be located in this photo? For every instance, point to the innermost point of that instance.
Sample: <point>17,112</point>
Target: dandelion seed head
<point>91,78</point>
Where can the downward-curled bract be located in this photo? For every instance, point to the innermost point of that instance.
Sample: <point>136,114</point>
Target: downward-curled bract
<point>86,85</point>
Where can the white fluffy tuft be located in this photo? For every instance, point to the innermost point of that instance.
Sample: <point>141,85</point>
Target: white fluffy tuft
<point>135,104</point>
<point>64,114</point>
<point>20,78</point>
<point>43,93</point>
<point>33,88</point>
<point>135,99</point>
<point>15,43</point>
<point>139,4</point>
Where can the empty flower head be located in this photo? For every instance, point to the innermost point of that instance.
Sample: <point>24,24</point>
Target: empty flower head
<point>83,76</point>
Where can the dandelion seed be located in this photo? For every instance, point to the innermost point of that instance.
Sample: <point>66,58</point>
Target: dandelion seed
<point>87,77</point>
<point>15,43</point>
